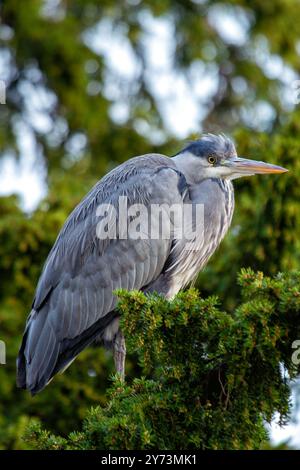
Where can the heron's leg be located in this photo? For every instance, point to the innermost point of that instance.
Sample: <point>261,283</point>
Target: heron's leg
<point>119,349</point>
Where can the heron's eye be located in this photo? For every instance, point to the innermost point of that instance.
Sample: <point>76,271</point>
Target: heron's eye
<point>211,159</point>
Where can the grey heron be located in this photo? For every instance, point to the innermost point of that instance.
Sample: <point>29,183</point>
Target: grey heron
<point>74,304</point>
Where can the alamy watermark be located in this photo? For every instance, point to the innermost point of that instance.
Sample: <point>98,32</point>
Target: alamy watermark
<point>2,353</point>
<point>296,353</point>
<point>2,92</point>
<point>152,221</point>
<point>296,91</point>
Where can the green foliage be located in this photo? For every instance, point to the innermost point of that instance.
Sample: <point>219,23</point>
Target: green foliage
<point>211,377</point>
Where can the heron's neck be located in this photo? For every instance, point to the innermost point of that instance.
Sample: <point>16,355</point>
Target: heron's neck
<point>186,165</point>
<point>225,184</point>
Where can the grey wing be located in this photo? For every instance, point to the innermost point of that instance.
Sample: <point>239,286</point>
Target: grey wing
<point>74,300</point>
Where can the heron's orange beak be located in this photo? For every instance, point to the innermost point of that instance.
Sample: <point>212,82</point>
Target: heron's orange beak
<point>243,165</point>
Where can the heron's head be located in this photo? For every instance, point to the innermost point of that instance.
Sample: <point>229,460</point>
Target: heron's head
<point>215,156</point>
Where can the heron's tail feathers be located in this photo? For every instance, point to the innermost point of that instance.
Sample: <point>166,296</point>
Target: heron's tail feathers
<point>43,354</point>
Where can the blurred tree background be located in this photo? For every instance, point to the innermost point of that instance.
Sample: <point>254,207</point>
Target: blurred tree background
<point>92,83</point>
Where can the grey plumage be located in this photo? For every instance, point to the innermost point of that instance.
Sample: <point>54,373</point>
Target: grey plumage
<point>74,303</point>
